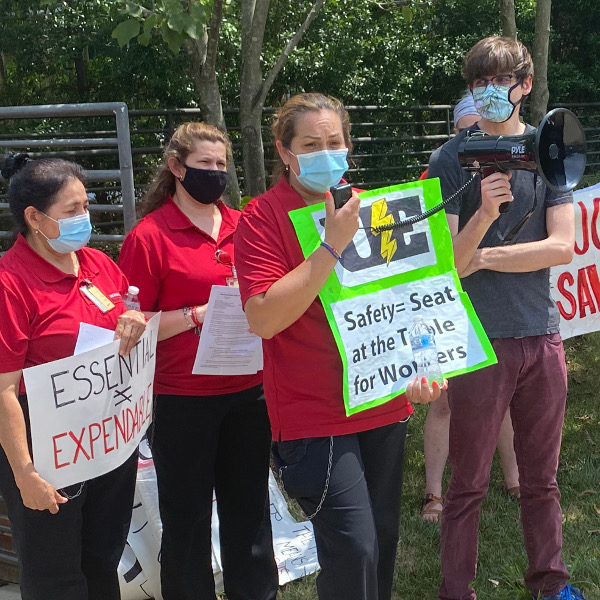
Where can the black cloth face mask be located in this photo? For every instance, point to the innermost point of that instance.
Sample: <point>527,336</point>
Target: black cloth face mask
<point>204,185</point>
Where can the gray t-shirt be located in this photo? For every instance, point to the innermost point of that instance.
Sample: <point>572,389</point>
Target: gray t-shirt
<point>508,304</point>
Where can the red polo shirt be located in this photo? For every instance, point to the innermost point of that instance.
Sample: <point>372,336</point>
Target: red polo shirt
<point>41,307</point>
<point>303,370</point>
<point>174,265</point>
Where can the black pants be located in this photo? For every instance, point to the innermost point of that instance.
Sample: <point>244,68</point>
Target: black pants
<point>221,442</point>
<point>357,527</point>
<point>74,554</point>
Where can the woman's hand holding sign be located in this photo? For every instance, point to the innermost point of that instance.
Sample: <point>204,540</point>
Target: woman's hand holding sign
<point>36,493</point>
<point>130,327</point>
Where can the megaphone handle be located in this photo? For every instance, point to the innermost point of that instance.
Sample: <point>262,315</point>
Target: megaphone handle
<point>484,172</point>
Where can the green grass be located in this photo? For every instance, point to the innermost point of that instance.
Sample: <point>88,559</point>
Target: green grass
<point>502,559</point>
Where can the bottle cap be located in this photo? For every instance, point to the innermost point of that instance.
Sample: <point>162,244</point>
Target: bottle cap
<point>417,318</point>
<point>134,291</point>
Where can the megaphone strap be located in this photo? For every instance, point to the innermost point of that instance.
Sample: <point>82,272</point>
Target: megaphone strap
<point>509,237</point>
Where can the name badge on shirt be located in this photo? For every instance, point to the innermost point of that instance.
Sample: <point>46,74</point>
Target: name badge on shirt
<point>89,290</point>
<point>233,280</point>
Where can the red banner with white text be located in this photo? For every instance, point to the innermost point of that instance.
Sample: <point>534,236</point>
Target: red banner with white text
<point>576,286</point>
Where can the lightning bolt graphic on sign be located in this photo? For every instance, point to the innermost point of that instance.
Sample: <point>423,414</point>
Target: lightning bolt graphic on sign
<point>379,217</point>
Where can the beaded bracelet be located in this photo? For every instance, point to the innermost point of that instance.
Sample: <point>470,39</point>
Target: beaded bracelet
<point>331,250</point>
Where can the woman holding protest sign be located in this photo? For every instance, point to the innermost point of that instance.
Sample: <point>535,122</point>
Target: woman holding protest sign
<point>69,541</point>
<point>210,431</point>
<point>346,472</point>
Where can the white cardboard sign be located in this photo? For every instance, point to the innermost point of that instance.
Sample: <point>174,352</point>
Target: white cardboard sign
<point>89,412</point>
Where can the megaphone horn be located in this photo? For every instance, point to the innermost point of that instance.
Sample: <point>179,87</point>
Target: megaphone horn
<point>556,150</point>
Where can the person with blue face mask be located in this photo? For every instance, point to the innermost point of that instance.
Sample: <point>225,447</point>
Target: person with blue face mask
<point>70,540</point>
<point>508,284</point>
<point>344,471</point>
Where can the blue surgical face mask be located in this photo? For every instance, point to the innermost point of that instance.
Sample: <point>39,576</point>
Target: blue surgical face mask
<point>493,102</point>
<point>74,233</point>
<point>322,169</point>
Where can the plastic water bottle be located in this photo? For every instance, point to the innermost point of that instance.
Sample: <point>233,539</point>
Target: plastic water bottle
<point>425,353</point>
<point>130,299</point>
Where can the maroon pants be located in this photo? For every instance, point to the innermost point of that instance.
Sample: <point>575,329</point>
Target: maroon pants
<point>531,379</point>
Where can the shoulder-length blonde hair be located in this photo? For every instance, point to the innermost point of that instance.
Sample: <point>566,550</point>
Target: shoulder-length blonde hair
<point>284,126</point>
<point>181,144</point>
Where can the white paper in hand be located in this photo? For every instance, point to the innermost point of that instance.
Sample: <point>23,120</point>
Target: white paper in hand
<point>91,337</point>
<point>226,345</point>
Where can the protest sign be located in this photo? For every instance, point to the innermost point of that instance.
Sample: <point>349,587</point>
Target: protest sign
<point>89,412</point>
<point>294,544</point>
<point>576,287</point>
<point>139,570</point>
<point>385,279</point>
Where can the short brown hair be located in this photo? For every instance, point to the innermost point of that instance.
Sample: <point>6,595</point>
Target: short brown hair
<point>284,126</point>
<point>180,146</point>
<point>496,55</point>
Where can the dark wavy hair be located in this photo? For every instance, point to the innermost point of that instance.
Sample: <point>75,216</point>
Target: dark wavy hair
<point>36,183</point>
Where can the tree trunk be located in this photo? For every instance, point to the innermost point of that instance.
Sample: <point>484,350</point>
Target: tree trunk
<point>2,72</point>
<point>507,18</point>
<point>203,53</point>
<point>254,88</point>
<point>254,18</point>
<point>539,94</point>
<point>253,152</point>
<point>81,70</point>
<point>207,87</point>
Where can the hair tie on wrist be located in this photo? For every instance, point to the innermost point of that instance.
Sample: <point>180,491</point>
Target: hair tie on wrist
<point>331,250</point>
<point>194,317</point>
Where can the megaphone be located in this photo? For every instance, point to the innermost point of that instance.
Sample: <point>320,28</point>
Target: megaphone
<point>556,150</point>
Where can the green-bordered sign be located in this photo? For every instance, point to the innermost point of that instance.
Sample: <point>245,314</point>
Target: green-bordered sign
<point>386,279</point>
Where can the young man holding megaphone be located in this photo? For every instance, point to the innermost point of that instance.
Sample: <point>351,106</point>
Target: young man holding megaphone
<point>508,229</point>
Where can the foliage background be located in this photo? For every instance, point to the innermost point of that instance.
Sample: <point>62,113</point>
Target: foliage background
<point>355,49</point>
<point>393,54</point>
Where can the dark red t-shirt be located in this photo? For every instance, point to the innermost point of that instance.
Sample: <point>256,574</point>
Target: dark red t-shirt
<point>173,263</point>
<point>303,370</point>
<point>41,307</point>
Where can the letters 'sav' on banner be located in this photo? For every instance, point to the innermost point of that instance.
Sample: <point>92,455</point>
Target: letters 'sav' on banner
<point>386,279</point>
<point>576,287</point>
<point>89,412</point>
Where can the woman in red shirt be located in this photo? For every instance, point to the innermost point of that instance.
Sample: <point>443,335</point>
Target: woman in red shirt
<point>209,431</point>
<point>346,472</point>
<point>69,541</point>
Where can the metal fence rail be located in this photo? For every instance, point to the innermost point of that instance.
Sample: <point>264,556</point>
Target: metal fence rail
<point>391,145</point>
<point>120,145</point>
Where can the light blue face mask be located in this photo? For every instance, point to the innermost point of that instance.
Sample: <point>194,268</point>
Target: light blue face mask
<point>74,233</point>
<point>493,103</point>
<point>322,169</point>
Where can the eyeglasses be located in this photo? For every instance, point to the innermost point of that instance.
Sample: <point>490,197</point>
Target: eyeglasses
<point>504,80</point>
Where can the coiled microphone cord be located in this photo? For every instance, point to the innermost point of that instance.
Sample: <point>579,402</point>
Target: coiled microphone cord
<point>412,220</point>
